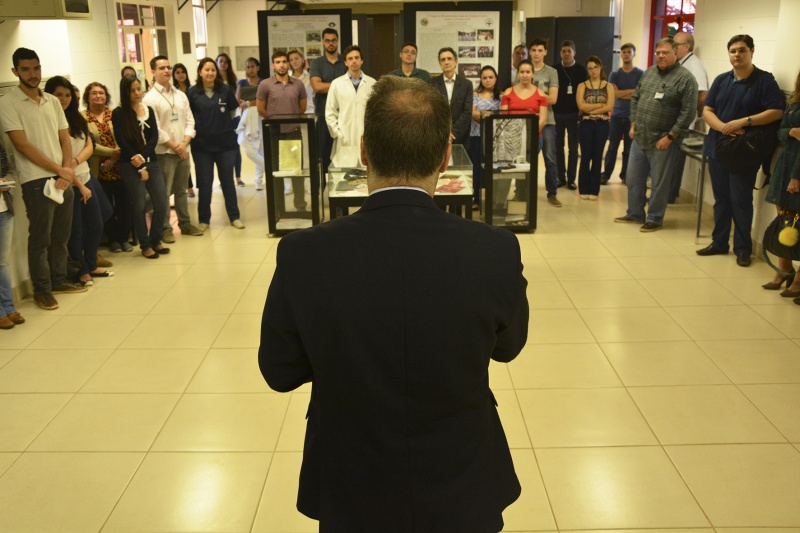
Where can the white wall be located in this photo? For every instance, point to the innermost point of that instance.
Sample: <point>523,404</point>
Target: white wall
<point>565,8</point>
<point>636,29</point>
<point>239,27</point>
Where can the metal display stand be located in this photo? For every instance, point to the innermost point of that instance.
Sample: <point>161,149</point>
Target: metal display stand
<point>509,159</point>
<point>291,153</point>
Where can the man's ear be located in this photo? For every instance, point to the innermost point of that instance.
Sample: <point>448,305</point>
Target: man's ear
<point>14,71</point>
<point>447,155</point>
<point>363,153</point>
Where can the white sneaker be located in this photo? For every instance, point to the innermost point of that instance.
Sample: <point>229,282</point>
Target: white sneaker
<point>238,224</point>
<point>259,186</point>
<point>202,227</point>
<point>584,196</point>
<point>593,197</point>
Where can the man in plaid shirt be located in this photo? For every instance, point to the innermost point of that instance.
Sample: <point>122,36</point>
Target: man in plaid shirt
<point>663,105</point>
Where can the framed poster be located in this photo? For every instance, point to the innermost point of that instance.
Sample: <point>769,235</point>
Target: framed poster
<point>476,34</point>
<point>284,30</point>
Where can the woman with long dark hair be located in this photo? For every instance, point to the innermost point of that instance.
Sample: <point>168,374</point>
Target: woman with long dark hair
<point>486,98</point>
<point>104,165</point>
<point>213,104</point>
<point>137,136</point>
<point>87,220</point>
<point>226,72</point>
<point>595,99</point>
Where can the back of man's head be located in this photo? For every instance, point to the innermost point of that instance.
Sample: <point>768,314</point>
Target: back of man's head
<point>406,129</point>
<point>22,54</point>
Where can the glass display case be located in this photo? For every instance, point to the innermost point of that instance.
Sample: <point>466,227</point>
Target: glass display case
<point>291,164</point>
<point>510,151</point>
<point>347,187</point>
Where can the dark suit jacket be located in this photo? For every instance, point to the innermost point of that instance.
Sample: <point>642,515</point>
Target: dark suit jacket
<point>460,105</point>
<point>393,314</point>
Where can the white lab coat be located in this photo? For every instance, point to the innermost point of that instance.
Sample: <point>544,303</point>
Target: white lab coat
<point>249,131</point>
<point>344,113</point>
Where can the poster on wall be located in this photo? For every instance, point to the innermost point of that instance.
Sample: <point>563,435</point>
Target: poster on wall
<point>284,30</point>
<point>474,35</point>
<point>301,31</point>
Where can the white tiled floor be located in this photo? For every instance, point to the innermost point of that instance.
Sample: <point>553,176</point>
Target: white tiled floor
<point>658,390</point>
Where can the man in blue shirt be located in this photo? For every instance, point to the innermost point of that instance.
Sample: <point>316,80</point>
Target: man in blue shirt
<point>324,70</point>
<point>741,98</point>
<point>624,79</point>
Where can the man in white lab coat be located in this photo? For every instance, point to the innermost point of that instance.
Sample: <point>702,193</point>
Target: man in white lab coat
<point>344,110</point>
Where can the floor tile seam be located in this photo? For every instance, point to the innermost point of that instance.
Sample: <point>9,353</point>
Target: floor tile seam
<point>123,491</point>
<point>653,296</point>
<point>536,460</point>
<point>19,351</point>
<point>263,487</point>
<point>19,454</point>
<point>762,413</point>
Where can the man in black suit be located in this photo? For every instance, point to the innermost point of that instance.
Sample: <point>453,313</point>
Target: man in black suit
<point>458,91</point>
<point>375,310</point>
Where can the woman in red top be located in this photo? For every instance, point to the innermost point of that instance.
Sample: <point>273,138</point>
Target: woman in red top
<point>524,96</point>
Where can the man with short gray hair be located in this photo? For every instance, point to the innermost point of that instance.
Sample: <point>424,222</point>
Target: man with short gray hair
<point>663,105</point>
<point>402,431</point>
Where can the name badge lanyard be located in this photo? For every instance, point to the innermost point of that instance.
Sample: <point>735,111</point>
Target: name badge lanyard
<point>173,116</point>
<point>569,79</point>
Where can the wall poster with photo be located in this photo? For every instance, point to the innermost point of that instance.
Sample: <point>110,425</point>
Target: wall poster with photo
<point>466,32</point>
<point>285,30</point>
<point>478,32</point>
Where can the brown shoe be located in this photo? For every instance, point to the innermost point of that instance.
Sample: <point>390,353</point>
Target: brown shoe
<point>105,263</point>
<point>45,300</point>
<point>16,318</point>
<point>6,323</point>
<point>70,287</point>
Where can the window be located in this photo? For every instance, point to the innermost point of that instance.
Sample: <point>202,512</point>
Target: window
<point>142,33</point>
<point>200,28</point>
<point>670,17</point>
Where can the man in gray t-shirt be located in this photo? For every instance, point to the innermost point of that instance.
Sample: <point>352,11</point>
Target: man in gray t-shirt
<point>546,79</point>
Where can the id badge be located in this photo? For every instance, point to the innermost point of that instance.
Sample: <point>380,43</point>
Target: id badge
<point>569,89</point>
<point>659,96</point>
<point>173,117</point>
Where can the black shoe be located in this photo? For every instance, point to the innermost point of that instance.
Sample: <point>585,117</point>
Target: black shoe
<point>163,250</point>
<point>650,227</point>
<point>562,183</point>
<point>710,250</point>
<point>743,260</point>
<point>603,180</point>
<point>571,186</point>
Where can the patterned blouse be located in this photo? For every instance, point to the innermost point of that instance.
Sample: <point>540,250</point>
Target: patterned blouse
<point>106,140</point>
<point>595,96</point>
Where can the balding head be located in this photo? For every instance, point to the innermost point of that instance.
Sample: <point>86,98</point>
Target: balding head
<point>685,43</point>
<point>406,130</point>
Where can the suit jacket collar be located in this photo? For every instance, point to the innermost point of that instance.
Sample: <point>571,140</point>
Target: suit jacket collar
<point>406,197</point>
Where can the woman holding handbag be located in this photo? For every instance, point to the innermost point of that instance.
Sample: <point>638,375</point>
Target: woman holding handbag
<point>785,185</point>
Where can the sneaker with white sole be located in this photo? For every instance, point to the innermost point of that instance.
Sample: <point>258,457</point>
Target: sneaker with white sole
<point>238,224</point>
<point>202,227</point>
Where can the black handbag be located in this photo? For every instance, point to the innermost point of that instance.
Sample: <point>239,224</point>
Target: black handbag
<point>755,147</point>
<point>782,239</point>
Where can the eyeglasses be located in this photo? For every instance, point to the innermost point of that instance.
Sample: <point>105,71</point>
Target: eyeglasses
<point>330,41</point>
<point>734,51</point>
<point>659,54</point>
<point>592,68</point>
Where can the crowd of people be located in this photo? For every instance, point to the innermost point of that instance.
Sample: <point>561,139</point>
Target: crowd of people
<point>97,173</point>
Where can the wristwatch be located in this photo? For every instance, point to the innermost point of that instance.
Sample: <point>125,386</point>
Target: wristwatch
<point>670,136</point>
<point>749,122</point>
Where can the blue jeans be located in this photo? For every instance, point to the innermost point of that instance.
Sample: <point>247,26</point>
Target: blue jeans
<point>87,227</point>
<point>549,153</point>
<point>567,123</point>
<point>137,190</point>
<point>204,171</point>
<point>733,200</point>
<point>645,163</point>
<point>49,226</point>
<point>118,225</point>
<point>619,129</point>
<point>593,135</point>
<point>675,171</point>
<point>6,230</point>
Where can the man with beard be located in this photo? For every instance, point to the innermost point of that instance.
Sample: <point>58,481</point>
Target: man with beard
<point>324,70</point>
<point>284,95</point>
<point>41,145</point>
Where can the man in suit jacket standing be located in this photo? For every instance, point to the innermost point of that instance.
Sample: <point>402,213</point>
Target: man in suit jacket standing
<point>458,91</point>
<point>402,431</point>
